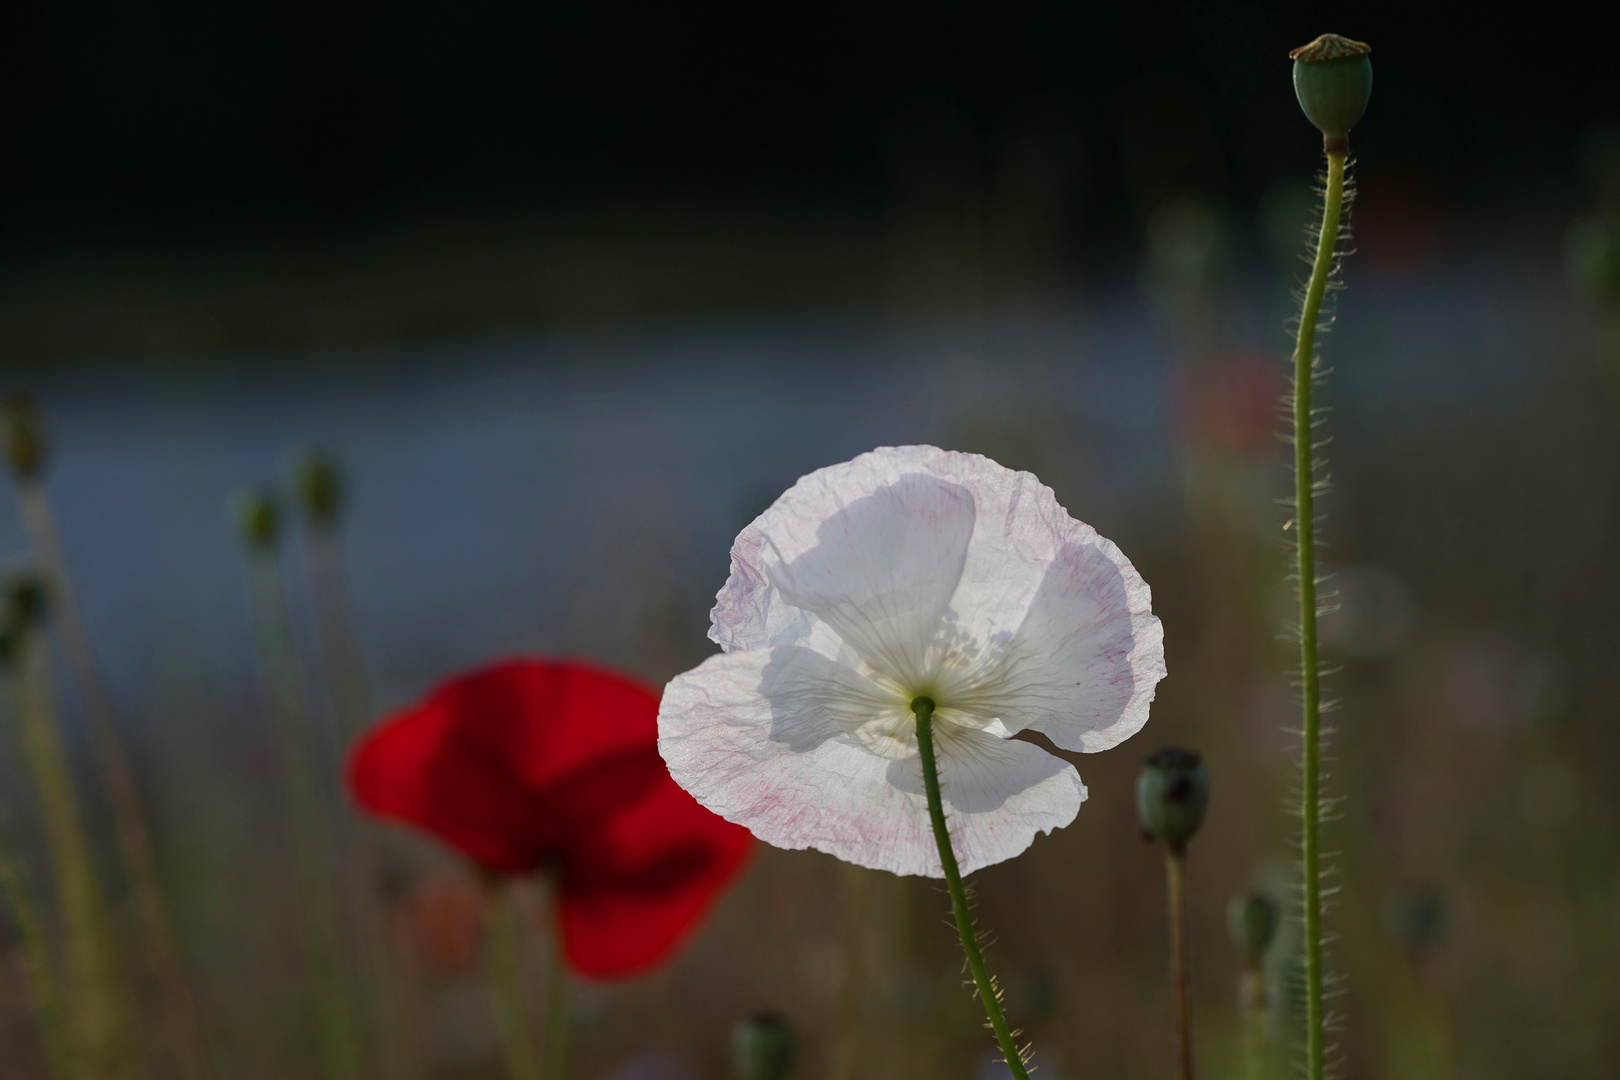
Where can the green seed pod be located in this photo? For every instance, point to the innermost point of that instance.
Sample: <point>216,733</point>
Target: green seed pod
<point>257,518</point>
<point>1252,919</point>
<point>1172,793</point>
<point>25,601</point>
<point>762,1047</point>
<point>1333,81</point>
<point>317,478</point>
<point>26,444</point>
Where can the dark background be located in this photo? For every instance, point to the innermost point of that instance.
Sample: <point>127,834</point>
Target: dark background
<point>205,134</point>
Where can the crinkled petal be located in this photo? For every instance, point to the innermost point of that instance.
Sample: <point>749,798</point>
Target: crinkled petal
<point>1050,622</point>
<point>764,738</point>
<point>1084,665</point>
<point>877,565</point>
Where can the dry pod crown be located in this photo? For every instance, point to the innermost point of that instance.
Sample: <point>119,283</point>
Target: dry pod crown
<point>1333,81</point>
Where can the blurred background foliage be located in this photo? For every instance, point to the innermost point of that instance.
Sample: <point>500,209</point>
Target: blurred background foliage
<point>575,290</point>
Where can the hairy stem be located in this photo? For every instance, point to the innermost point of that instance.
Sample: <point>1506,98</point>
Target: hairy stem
<point>1175,873</point>
<point>1310,669</point>
<point>923,707</point>
<point>506,986</point>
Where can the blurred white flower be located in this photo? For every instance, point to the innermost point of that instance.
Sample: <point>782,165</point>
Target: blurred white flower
<point>912,571</point>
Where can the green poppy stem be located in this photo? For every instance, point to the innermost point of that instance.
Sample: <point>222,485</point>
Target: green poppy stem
<point>305,820</point>
<point>36,958</point>
<point>103,1043</point>
<point>989,993</point>
<point>1256,1059</point>
<point>506,985</point>
<point>556,1052</point>
<point>1175,873</point>
<point>177,1005</point>
<point>1306,487</point>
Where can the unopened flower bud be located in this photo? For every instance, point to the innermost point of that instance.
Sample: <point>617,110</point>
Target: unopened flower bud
<point>762,1047</point>
<point>1333,81</point>
<point>26,445</point>
<point>1172,793</point>
<point>257,518</point>
<point>317,479</point>
<point>1252,919</point>
<point>25,601</point>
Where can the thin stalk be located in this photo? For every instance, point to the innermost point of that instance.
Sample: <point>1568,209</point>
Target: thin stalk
<point>351,701</point>
<point>304,820</point>
<point>177,1004</point>
<point>1175,873</point>
<point>556,1044</point>
<point>1305,489</point>
<point>1253,991</point>
<point>36,961</point>
<point>989,993</point>
<point>506,986</point>
<point>329,579</point>
<point>102,1039</point>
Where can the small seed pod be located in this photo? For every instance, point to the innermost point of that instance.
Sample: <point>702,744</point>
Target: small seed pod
<point>1333,81</point>
<point>762,1047</point>
<point>25,599</point>
<point>1252,919</point>
<point>317,478</point>
<point>257,518</point>
<point>1172,794</point>
<point>26,444</point>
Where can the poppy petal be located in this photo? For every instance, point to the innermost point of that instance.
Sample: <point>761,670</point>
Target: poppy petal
<point>635,886</point>
<point>505,762</point>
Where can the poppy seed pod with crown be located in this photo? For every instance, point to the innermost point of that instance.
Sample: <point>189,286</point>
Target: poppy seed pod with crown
<point>257,518</point>
<point>22,429</point>
<point>1172,793</point>
<point>762,1047</point>
<point>1333,81</point>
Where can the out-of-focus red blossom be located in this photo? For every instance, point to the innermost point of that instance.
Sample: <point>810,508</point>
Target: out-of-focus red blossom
<point>530,765</point>
<point>1229,403</point>
<point>440,922</point>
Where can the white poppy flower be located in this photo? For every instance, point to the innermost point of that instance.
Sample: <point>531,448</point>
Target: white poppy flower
<point>912,571</point>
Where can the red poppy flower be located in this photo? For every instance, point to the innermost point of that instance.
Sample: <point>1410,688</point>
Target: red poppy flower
<point>553,765</point>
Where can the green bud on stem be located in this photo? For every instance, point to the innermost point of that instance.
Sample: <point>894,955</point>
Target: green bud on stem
<point>1172,794</point>
<point>22,431</point>
<point>257,518</point>
<point>25,601</point>
<point>1252,919</point>
<point>317,478</point>
<point>1333,81</point>
<point>762,1047</point>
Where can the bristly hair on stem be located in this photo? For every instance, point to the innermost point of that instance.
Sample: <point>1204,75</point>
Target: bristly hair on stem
<point>1016,1057</point>
<point>1311,482</point>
